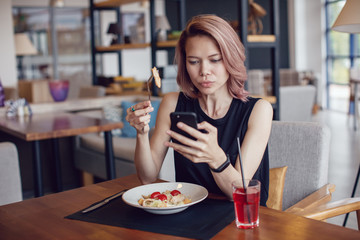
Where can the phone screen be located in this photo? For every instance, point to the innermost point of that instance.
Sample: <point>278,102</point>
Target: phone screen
<point>189,118</point>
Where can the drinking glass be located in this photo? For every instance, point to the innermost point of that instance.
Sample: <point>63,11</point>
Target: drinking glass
<point>246,203</point>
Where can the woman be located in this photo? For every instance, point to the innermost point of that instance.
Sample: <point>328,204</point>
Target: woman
<point>211,74</point>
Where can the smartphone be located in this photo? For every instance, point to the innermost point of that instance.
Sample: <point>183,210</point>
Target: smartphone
<point>189,118</point>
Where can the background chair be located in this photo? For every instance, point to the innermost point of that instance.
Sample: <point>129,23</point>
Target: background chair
<point>10,183</point>
<point>296,102</point>
<point>354,73</point>
<point>304,149</point>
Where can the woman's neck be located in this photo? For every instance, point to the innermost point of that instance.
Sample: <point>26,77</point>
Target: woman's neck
<point>215,106</point>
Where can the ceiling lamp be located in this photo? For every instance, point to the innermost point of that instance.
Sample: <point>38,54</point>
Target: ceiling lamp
<point>348,20</point>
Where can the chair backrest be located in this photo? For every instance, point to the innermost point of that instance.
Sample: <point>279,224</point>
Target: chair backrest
<point>10,184</point>
<point>354,74</point>
<point>296,102</point>
<point>304,147</point>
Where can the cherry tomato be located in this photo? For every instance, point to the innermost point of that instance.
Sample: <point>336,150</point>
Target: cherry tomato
<point>175,192</point>
<point>161,197</point>
<point>155,195</point>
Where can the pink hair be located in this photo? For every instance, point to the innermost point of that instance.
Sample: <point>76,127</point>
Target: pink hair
<point>231,49</point>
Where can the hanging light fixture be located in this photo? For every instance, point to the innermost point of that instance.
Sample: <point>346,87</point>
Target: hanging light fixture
<point>348,20</point>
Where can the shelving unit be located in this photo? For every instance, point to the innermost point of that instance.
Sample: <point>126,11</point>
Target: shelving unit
<point>264,41</point>
<point>118,47</point>
<point>114,5</point>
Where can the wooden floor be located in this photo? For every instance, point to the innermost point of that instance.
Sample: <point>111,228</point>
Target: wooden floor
<point>344,153</point>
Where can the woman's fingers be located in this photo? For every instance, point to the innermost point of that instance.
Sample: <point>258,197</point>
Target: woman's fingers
<point>181,138</point>
<point>138,115</point>
<point>190,130</point>
<point>140,108</point>
<point>203,149</point>
<point>206,127</point>
<point>200,136</point>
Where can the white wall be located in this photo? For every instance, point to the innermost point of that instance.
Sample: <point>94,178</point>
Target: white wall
<point>307,46</point>
<point>8,73</point>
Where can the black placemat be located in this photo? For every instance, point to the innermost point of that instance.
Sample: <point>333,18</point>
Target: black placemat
<point>200,221</point>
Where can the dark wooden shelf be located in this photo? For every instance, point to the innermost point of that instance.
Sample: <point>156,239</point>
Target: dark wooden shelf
<point>117,47</point>
<point>114,3</point>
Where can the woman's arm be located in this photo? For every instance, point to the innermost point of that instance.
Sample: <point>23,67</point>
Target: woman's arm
<point>252,148</point>
<point>150,154</point>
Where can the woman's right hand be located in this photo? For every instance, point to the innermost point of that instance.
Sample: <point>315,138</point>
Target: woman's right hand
<point>138,116</point>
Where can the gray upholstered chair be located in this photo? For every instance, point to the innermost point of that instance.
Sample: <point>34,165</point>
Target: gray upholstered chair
<point>304,149</point>
<point>296,103</point>
<point>10,183</point>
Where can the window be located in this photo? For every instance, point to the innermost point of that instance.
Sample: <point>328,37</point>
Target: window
<point>343,49</point>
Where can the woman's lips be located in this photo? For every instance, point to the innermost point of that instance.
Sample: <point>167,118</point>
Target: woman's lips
<point>206,84</point>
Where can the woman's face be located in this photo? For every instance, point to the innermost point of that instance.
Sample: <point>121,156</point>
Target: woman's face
<point>205,65</point>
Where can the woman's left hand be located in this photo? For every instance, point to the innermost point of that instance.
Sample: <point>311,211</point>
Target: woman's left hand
<point>203,150</point>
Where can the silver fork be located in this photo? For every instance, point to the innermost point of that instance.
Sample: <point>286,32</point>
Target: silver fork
<point>148,86</point>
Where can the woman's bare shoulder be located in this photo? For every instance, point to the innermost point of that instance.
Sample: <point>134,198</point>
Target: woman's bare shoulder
<point>262,112</point>
<point>169,100</point>
<point>263,105</point>
<point>171,96</point>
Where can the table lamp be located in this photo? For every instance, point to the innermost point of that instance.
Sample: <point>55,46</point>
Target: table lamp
<point>348,21</point>
<point>162,26</point>
<point>115,30</point>
<point>23,47</point>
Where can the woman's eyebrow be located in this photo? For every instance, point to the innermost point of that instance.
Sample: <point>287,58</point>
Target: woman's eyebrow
<point>215,54</point>
<point>212,55</point>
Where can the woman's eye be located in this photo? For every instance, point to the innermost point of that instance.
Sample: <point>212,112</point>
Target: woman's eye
<point>193,62</point>
<point>216,60</point>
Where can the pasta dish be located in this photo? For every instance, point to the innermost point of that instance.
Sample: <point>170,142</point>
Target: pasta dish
<point>164,199</point>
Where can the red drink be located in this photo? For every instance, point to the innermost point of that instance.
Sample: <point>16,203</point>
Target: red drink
<point>247,205</point>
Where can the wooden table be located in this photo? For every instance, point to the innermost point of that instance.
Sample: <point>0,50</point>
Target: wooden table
<point>43,218</point>
<point>54,125</point>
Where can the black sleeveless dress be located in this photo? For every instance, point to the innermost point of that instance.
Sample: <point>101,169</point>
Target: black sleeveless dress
<point>232,125</point>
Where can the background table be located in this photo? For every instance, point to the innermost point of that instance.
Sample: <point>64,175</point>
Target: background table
<point>43,218</point>
<point>54,125</point>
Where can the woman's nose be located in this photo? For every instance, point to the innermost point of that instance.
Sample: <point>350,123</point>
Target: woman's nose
<point>204,71</point>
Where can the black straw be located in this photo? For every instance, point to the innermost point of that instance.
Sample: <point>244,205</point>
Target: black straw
<point>243,180</point>
<point>241,166</point>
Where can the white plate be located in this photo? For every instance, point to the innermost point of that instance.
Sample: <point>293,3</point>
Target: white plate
<point>195,192</point>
